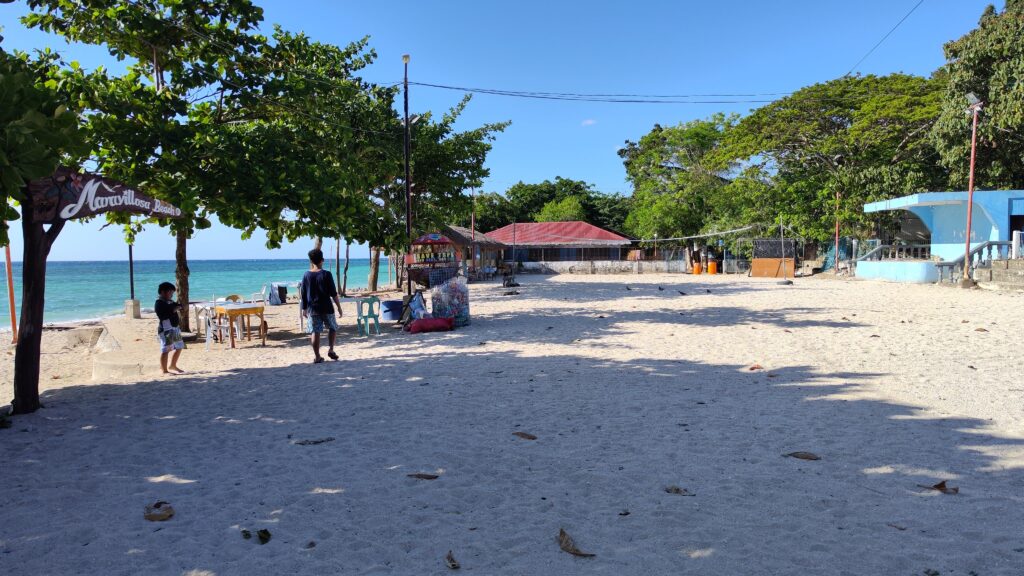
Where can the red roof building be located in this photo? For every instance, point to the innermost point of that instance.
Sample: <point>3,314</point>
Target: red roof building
<point>561,241</point>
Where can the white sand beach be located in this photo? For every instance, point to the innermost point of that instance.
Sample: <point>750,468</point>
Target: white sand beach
<point>628,392</point>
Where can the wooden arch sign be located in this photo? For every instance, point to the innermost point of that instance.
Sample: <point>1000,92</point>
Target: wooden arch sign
<point>52,201</point>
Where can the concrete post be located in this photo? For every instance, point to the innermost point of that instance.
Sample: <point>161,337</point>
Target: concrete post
<point>132,310</point>
<point>1015,247</point>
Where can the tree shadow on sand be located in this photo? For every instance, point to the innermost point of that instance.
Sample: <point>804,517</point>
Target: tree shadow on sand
<point>222,448</point>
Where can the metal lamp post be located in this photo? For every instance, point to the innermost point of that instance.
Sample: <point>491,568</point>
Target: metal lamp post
<point>408,188</point>
<point>974,110</point>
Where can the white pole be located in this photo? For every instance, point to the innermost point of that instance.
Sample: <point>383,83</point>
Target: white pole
<point>1015,247</point>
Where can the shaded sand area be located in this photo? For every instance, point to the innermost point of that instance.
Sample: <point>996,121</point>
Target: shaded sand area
<point>628,393</point>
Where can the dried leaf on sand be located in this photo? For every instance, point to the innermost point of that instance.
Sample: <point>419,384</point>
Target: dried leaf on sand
<point>566,543</point>
<point>422,476</point>
<point>313,442</point>
<point>941,487</point>
<point>896,526</point>
<point>525,435</point>
<point>756,367</point>
<point>264,535</point>
<point>158,511</point>
<point>803,455</point>
<point>980,330</point>
<point>677,490</point>
<point>451,562</point>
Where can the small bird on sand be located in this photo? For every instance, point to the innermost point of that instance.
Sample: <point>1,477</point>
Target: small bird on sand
<point>681,293</point>
<point>660,289</point>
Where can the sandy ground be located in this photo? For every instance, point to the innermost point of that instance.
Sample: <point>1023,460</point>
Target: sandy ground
<point>627,392</point>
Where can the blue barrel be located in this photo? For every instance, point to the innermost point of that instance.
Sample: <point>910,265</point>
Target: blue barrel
<point>391,310</point>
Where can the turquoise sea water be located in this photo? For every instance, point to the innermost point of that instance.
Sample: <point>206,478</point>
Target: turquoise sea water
<point>85,290</point>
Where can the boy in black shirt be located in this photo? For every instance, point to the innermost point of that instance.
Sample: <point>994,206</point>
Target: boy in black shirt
<point>319,298</point>
<point>168,332</point>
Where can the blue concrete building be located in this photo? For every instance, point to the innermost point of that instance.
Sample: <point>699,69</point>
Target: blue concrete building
<point>996,214</point>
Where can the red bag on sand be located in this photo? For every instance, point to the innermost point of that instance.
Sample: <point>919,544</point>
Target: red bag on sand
<point>431,325</point>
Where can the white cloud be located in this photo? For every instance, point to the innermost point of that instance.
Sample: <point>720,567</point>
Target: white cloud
<point>588,122</point>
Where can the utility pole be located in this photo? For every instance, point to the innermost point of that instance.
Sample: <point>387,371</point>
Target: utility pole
<point>408,187</point>
<point>974,109</point>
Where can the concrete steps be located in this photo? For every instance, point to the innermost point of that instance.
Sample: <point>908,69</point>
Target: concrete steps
<point>1003,275</point>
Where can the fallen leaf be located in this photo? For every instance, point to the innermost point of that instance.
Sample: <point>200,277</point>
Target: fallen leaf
<point>845,318</point>
<point>55,377</point>
<point>312,442</point>
<point>788,330</point>
<point>246,534</point>
<point>941,487</point>
<point>964,321</point>
<point>158,511</point>
<point>896,526</point>
<point>264,535</point>
<point>310,545</point>
<point>803,455</point>
<point>677,490</point>
<point>971,367</point>
<point>875,336</point>
<point>525,435</point>
<point>624,513</point>
<point>421,476</point>
<point>773,375</point>
<point>980,330</point>
<point>566,543</point>
<point>756,367</point>
<point>451,561</point>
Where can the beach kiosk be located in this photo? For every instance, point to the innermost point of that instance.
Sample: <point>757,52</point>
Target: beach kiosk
<point>435,259</point>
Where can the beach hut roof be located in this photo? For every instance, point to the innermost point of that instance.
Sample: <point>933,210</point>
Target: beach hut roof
<point>557,234</point>
<point>465,237</point>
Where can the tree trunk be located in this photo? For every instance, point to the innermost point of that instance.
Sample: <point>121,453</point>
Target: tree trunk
<point>26,357</point>
<point>399,270</point>
<point>344,278</point>
<point>374,269</point>
<point>337,264</point>
<point>181,273</point>
<point>318,243</point>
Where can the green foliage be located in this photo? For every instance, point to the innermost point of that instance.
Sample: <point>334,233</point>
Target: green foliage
<point>567,209</point>
<point>988,61</point>
<point>277,133</point>
<point>864,137</point>
<point>493,211</point>
<point>675,177</point>
<point>537,202</point>
<point>142,126</point>
<point>38,128</point>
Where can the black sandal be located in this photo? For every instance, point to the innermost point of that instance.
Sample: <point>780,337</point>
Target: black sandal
<point>318,360</point>
<point>332,355</point>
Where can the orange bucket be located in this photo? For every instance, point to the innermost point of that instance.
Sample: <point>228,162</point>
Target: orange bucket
<point>696,267</point>
<point>712,267</point>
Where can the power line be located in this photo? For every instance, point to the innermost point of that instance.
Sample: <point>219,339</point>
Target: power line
<point>884,38</point>
<point>605,98</point>
<point>584,95</point>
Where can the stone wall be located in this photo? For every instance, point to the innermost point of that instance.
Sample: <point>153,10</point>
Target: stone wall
<point>606,267</point>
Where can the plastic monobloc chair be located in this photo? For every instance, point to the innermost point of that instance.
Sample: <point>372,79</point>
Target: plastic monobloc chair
<point>365,315</point>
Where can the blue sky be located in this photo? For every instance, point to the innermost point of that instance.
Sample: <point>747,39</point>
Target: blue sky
<point>646,47</point>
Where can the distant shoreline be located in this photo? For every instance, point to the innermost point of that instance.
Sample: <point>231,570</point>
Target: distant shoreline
<point>383,259</point>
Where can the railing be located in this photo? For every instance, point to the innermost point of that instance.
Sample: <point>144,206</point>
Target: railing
<point>899,252</point>
<point>980,257</point>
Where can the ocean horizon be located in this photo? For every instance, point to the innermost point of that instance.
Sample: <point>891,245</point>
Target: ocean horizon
<point>88,290</point>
